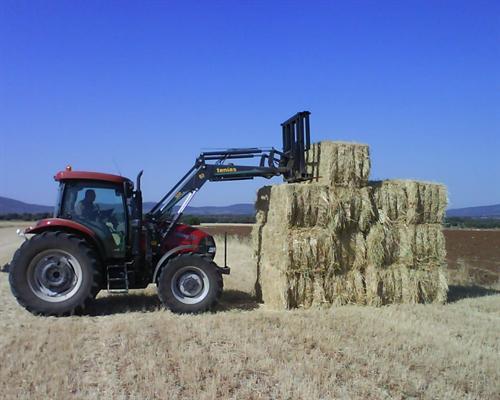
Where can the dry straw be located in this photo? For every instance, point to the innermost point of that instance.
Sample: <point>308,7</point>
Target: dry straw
<point>400,284</point>
<point>314,205</point>
<point>410,202</point>
<point>339,163</point>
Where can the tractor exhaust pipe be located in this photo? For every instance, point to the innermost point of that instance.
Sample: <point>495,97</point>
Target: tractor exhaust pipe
<point>137,217</point>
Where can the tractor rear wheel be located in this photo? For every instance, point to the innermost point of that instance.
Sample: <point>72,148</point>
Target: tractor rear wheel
<point>54,273</point>
<point>190,283</point>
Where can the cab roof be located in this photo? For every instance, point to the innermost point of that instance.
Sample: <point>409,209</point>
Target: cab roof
<point>91,176</point>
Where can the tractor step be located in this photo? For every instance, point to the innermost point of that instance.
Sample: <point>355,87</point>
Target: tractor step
<point>118,278</point>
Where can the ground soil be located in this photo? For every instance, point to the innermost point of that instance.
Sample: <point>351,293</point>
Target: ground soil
<point>477,251</point>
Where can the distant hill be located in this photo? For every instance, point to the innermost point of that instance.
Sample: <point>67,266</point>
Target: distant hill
<point>475,212</point>
<point>8,206</point>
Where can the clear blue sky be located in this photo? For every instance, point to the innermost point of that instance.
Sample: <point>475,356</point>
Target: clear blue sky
<point>147,85</point>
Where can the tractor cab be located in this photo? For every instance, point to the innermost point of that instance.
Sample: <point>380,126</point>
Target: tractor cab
<point>98,202</point>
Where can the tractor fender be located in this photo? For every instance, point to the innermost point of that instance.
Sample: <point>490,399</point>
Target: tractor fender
<point>59,224</point>
<point>167,256</point>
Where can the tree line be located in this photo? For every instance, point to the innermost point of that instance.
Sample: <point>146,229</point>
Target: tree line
<point>476,223</point>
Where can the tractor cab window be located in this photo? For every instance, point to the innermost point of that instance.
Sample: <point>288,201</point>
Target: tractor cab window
<point>99,207</point>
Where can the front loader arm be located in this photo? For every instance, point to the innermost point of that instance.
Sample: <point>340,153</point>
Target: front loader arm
<point>203,172</point>
<point>217,166</point>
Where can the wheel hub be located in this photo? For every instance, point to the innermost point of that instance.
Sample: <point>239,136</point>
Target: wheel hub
<point>54,276</point>
<point>190,284</point>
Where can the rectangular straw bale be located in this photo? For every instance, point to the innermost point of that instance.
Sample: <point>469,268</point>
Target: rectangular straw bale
<point>400,284</point>
<point>381,245</point>
<point>410,202</point>
<point>299,205</point>
<point>310,266</point>
<point>346,288</point>
<point>301,289</point>
<point>320,250</point>
<point>421,244</point>
<point>314,205</point>
<point>411,245</point>
<point>311,250</point>
<point>306,290</point>
<point>339,163</point>
<point>271,283</point>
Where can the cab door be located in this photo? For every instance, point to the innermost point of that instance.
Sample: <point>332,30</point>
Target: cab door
<point>101,207</point>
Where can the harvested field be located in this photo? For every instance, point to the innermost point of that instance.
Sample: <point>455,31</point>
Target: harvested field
<point>128,347</point>
<point>473,257</point>
<point>9,241</point>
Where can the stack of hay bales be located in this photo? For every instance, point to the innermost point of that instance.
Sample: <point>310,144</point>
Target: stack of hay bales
<point>339,239</point>
<point>406,246</point>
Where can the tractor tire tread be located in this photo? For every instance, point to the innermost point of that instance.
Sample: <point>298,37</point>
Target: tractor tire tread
<point>219,283</point>
<point>84,247</point>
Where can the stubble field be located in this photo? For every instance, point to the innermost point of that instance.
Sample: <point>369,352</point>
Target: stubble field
<point>128,347</point>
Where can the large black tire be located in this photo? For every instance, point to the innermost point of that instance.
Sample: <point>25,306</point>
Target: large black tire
<point>193,273</point>
<point>55,273</point>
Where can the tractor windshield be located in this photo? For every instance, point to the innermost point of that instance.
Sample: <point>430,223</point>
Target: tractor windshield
<point>101,208</point>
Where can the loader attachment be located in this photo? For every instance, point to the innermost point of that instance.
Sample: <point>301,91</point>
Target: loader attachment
<point>296,142</point>
<point>218,166</point>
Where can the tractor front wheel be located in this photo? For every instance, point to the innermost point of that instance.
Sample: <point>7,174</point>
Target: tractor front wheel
<point>190,283</point>
<point>54,273</point>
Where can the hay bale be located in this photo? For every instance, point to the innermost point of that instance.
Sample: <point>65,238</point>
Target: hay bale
<point>305,290</point>
<point>400,284</point>
<point>409,202</point>
<point>411,245</point>
<point>405,264</point>
<point>421,244</point>
<point>339,163</point>
<point>310,266</point>
<point>314,205</point>
<point>320,250</point>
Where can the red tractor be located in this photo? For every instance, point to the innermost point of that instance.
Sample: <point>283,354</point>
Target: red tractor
<point>99,237</point>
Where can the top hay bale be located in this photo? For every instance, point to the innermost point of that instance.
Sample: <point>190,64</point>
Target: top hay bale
<point>339,163</point>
